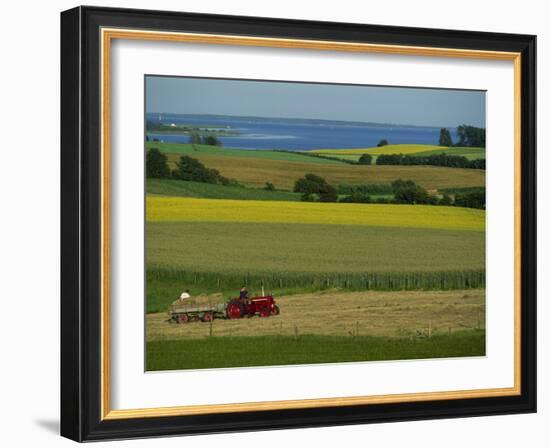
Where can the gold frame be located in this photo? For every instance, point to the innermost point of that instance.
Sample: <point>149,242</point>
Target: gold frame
<point>107,35</point>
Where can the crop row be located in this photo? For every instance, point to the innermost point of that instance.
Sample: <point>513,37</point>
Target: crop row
<point>211,281</point>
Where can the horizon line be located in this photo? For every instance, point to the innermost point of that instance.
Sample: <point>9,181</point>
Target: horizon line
<point>315,119</point>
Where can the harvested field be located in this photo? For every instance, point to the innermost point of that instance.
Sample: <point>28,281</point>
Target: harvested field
<point>256,172</point>
<point>335,313</point>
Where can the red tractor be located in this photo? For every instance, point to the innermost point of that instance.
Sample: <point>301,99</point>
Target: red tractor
<point>264,306</point>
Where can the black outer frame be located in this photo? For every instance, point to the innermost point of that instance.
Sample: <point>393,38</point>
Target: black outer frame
<point>81,207</point>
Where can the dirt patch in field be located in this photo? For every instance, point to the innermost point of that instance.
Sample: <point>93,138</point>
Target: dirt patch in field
<point>394,314</point>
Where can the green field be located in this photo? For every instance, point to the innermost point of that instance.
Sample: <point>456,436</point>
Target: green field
<point>171,187</point>
<point>201,150</point>
<point>310,248</point>
<point>216,245</point>
<point>210,257</point>
<point>218,352</point>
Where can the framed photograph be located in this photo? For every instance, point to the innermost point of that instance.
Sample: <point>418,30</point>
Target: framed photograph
<point>277,224</point>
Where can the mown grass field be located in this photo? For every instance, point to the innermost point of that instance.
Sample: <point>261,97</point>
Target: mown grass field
<point>249,351</point>
<point>172,209</point>
<point>342,313</point>
<point>329,326</point>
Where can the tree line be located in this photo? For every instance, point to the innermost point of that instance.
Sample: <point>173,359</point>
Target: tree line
<point>433,160</point>
<point>315,188</point>
<point>187,168</point>
<point>467,136</point>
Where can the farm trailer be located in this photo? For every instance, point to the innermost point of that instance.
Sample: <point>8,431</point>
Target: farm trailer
<point>263,306</point>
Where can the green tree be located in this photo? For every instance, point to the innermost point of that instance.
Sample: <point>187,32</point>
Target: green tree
<point>188,168</point>
<point>470,136</point>
<point>156,164</point>
<point>407,192</point>
<point>445,137</point>
<point>309,184</point>
<point>269,186</point>
<point>365,159</point>
<point>211,140</point>
<point>400,184</point>
<point>327,193</point>
<point>383,142</point>
<point>475,199</point>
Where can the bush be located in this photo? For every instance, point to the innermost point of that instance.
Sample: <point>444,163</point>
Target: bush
<point>156,164</point>
<point>433,160</point>
<point>189,168</point>
<point>446,200</point>
<point>400,184</point>
<point>211,140</point>
<point>365,159</point>
<point>356,198</point>
<point>312,185</point>
<point>365,189</point>
<point>475,199</point>
<point>411,195</point>
<point>327,193</point>
<point>197,139</point>
<point>307,197</point>
<point>309,184</point>
<point>269,186</point>
<point>407,192</point>
<point>383,142</point>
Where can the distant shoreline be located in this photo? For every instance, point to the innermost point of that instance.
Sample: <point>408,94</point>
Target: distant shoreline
<point>294,119</point>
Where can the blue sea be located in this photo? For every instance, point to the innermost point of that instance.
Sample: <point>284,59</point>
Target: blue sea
<point>299,134</point>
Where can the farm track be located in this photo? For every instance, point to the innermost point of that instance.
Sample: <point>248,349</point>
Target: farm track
<point>335,313</point>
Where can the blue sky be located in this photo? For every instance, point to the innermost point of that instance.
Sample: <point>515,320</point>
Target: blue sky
<point>395,105</point>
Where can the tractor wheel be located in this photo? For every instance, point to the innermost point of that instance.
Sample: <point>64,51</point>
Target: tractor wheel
<point>207,317</point>
<point>234,311</point>
<point>264,312</point>
<point>183,318</point>
<point>275,311</point>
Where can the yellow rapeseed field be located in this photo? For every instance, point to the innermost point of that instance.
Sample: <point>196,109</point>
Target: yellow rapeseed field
<point>173,209</point>
<point>388,149</point>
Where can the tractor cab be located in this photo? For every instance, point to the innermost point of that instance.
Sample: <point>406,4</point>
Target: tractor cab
<point>263,306</point>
